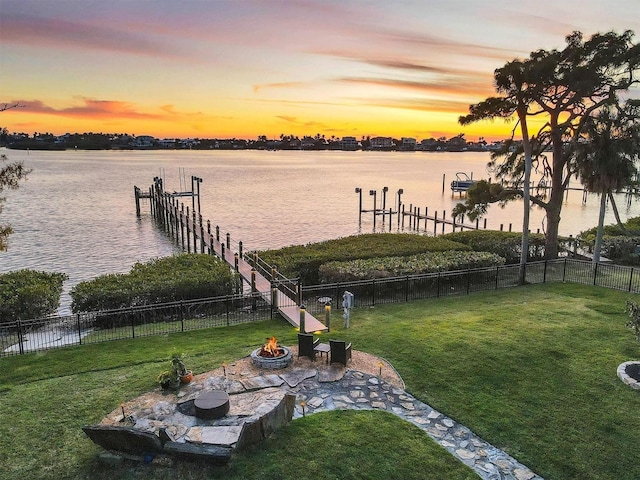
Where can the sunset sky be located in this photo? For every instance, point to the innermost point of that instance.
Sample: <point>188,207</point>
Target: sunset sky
<point>243,68</point>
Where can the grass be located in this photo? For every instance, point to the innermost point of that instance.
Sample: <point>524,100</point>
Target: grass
<point>530,369</point>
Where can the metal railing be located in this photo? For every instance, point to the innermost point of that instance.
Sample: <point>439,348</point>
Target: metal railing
<point>463,282</point>
<point>94,327</point>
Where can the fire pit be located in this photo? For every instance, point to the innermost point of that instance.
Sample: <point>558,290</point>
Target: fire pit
<point>271,355</point>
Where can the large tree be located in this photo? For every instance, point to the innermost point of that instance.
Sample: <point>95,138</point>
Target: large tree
<point>608,157</point>
<point>10,175</point>
<point>561,91</point>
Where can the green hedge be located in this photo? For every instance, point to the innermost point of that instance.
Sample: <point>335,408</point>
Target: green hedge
<point>169,279</point>
<point>27,294</point>
<point>304,261</point>
<point>431,262</point>
<point>616,245</point>
<point>505,244</point>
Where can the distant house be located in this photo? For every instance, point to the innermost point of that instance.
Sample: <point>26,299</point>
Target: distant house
<point>308,143</point>
<point>349,143</point>
<point>168,143</point>
<point>381,143</point>
<point>189,143</point>
<point>144,141</point>
<point>407,144</point>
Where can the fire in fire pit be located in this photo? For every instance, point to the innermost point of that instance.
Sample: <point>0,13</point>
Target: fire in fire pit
<point>271,349</point>
<point>271,355</point>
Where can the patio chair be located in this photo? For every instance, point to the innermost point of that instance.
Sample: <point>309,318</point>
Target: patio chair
<point>306,345</point>
<point>340,351</point>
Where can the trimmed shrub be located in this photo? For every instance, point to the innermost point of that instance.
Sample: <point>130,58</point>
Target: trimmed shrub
<point>430,262</point>
<point>505,244</point>
<point>616,245</point>
<point>304,261</point>
<point>27,294</point>
<point>181,277</point>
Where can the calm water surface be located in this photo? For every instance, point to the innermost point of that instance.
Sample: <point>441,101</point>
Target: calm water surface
<point>76,212</point>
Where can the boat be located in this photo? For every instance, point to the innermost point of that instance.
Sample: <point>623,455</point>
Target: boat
<point>462,183</point>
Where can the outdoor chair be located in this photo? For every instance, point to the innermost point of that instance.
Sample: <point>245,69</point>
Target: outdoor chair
<point>306,345</point>
<point>340,351</point>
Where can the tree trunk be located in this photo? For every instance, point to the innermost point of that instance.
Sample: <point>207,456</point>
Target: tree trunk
<point>616,214</point>
<point>526,197</point>
<point>598,245</point>
<point>554,206</point>
<point>553,222</point>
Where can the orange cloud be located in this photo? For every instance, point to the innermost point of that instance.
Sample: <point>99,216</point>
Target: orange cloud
<point>110,110</point>
<point>449,86</point>
<point>299,123</point>
<point>258,87</point>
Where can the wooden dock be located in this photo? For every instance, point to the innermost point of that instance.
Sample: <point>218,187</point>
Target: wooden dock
<point>188,229</point>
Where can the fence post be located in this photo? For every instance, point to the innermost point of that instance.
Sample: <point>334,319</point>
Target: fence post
<point>79,329</point>
<point>468,280</point>
<point>564,270</point>
<point>595,275</point>
<point>133,327</point>
<point>631,279</point>
<point>181,316</point>
<point>406,289</point>
<point>373,295</point>
<point>20,338</point>
<point>544,274</point>
<point>254,305</point>
<point>497,275</point>
<point>438,284</point>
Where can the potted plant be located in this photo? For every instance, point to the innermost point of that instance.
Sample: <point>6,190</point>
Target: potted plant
<point>169,380</point>
<point>178,366</point>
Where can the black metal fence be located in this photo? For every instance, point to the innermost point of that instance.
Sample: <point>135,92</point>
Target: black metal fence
<point>94,327</point>
<point>463,282</point>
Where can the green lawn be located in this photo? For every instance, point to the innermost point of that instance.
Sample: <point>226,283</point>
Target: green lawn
<point>531,370</point>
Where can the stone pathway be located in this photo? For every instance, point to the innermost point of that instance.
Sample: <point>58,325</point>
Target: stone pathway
<point>361,391</point>
<point>316,388</point>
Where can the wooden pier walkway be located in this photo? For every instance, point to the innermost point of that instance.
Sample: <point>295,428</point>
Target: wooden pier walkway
<point>276,290</point>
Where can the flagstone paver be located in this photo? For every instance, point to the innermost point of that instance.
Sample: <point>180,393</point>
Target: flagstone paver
<point>361,391</point>
<point>316,389</point>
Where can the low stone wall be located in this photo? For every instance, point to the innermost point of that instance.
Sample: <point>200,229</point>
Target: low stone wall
<point>168,428</point>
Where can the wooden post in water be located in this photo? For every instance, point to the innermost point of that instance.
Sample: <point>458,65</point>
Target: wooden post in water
<point>165,211</point>
<point>435,223</point>
<point>202,242</point>
<point>176,213</point>
<point>195,232</point>
<point>187,223</point>
<point>136,194</point>
<point>182,225</point>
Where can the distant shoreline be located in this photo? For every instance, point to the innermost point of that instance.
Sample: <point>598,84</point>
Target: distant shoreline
<point>57,148</point>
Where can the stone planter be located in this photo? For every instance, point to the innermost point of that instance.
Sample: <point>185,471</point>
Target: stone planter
<point>628,372</point>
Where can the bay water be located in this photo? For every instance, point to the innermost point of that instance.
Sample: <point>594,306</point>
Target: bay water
<point>76,211</point>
